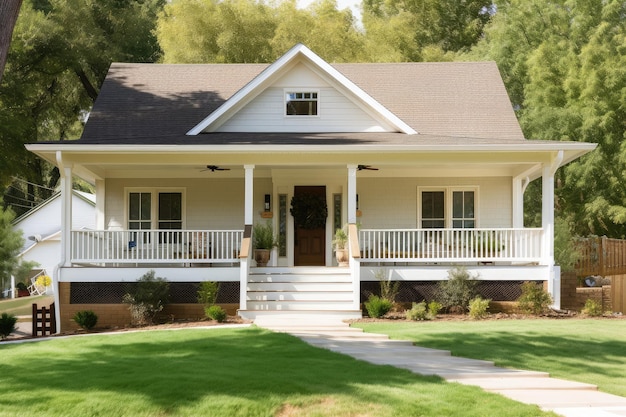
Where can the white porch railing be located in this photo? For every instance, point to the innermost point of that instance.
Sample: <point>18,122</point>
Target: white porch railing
<point>155,246</point>
<point>451,245</point>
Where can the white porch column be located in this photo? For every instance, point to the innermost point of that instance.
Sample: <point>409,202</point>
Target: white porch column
<point>100,196</point>
<point>249,205</point>
<point>66,209</point>
<point>352,194</point>
<point>519,188</point>
<point>547,223</point>
<point>13,293</point>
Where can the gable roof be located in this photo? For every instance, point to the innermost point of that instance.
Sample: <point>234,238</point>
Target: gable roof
<point>146,104</point>
<point>298,53</point>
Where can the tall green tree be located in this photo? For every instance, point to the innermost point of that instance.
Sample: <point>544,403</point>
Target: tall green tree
<point>60,53</point>
<point>563,63</point>
<point>426,29</point>
<point>11,242</point>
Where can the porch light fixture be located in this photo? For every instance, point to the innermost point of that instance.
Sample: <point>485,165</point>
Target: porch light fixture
<point>268,205</point>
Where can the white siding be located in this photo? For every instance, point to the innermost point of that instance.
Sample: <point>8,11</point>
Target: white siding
<point>211,204</point>
<point>336,113</point>
<point>392,202</point>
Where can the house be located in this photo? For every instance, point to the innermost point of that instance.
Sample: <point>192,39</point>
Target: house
<point>427,158</point>
<point>41,229</point>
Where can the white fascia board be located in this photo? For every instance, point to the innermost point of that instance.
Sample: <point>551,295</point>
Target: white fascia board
<point>253,88</point>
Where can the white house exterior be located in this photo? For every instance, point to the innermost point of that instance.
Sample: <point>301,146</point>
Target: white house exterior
<point>427,158</point>
<point>41,228</point>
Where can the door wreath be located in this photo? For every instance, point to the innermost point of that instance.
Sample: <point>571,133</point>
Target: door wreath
<point>309,211</point>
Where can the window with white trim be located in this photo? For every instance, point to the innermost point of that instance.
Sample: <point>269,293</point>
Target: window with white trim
<point>301,103</point>
<point>447,207</point>
<point>153,208</point>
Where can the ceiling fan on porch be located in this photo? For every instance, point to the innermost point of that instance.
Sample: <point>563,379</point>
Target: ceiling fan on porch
<point>368,167</point>
<point>214,168</point>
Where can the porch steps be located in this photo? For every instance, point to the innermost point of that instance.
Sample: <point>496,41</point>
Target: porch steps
<point>300,295</point>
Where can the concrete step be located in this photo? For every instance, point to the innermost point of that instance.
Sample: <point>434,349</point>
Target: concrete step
<point>297,318</point>
<point>299,305</point>
<point>257,278</point>
<point>300,296</point>
<point>300,270</point>
<point>299,286</point>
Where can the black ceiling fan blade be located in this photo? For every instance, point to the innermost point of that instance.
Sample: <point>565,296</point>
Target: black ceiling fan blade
<point>368,167</point>
<point>214,168</point>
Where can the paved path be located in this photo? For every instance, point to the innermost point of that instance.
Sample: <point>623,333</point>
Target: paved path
<point>567,398</point>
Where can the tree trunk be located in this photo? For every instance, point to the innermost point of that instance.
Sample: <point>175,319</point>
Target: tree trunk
<point>9,9</point>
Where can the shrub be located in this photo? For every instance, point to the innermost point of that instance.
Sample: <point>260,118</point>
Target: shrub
<point>434,308</point>
<point>7,325</point>
<point>146,298</point>
<point>534,299</point>
<point>423,311</point>
<point>207,293</point>
<point>377,306</point>
<point>418,312</point>
<point>216,313</point>
<point>388,288</point>
<point>86,319</point>
<point>478,308</point>
<point>592,308</point>
<point>456,292</point>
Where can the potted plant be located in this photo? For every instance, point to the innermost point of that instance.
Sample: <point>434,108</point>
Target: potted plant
<point>263,241</point>
<point>22,290</point>
<point>340,243</point>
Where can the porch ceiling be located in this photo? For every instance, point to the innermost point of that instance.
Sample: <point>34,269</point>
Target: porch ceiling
<point>176,161</point>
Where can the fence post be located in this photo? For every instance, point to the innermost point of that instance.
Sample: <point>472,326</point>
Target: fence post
<point>601,257</point>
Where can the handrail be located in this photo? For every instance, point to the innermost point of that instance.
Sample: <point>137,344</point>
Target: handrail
<point>244,252</point>
<point>353,235</point>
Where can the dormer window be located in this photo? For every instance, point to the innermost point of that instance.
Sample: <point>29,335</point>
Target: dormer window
<point>301,103</point>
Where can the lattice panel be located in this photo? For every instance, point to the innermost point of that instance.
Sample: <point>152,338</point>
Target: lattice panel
<point>113,292</point>
<point>416,291</point>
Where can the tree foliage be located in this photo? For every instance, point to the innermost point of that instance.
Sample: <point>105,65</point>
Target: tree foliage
<point>564,64</point>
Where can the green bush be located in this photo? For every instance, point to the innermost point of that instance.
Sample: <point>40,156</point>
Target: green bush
<point>455,293</point>
<point>7,325</point>
<point>377,306</point>
<point>86,319</point>
<point>216,313</point>
<point>592,308</point>
<point>423,311</point>
<point>147,298</point>
<point>388,289</point>
<point>207,293</point>
<point>478,308</point>
<point>534,299</point>
<point>434,308</point>
<point>418,312</point>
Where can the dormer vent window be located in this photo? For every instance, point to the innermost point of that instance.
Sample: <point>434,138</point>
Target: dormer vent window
<point>301,103</point>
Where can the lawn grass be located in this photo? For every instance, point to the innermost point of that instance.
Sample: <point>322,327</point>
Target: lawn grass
<point>221,372</point>
<point>585,350</point>
<point>23,306</point>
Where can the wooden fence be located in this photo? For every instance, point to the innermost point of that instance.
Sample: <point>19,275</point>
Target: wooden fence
<point>601,256</point>
<point>44,321</point>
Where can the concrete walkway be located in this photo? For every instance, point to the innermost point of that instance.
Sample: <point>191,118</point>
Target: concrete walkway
<point>567,398</point>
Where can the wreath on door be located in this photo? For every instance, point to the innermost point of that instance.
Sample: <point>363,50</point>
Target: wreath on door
<point>309,211</point>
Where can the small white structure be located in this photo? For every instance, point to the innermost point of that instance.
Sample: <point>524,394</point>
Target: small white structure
<point>41,228</point>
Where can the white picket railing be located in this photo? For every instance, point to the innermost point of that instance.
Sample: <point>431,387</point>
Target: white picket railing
<point>451,245</point>
<point>155,246</point>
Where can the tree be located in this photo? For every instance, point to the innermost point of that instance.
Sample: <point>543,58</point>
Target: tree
<point>427,29</point>
<point>563,63</point>
<point>60,53</point>
<point>9,9</point>
<point>11,243</point>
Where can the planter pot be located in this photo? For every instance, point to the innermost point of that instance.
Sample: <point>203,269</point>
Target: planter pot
<point>262,256</point>
<point>343,257</point>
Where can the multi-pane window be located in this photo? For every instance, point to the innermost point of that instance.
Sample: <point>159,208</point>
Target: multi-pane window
<point>282,225</point>
<point>448,207</point>
<point>433,210</point>
<point>170,211</point>
<point>139,211</point>
<point>301,104</point>
<point>463,216</point>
